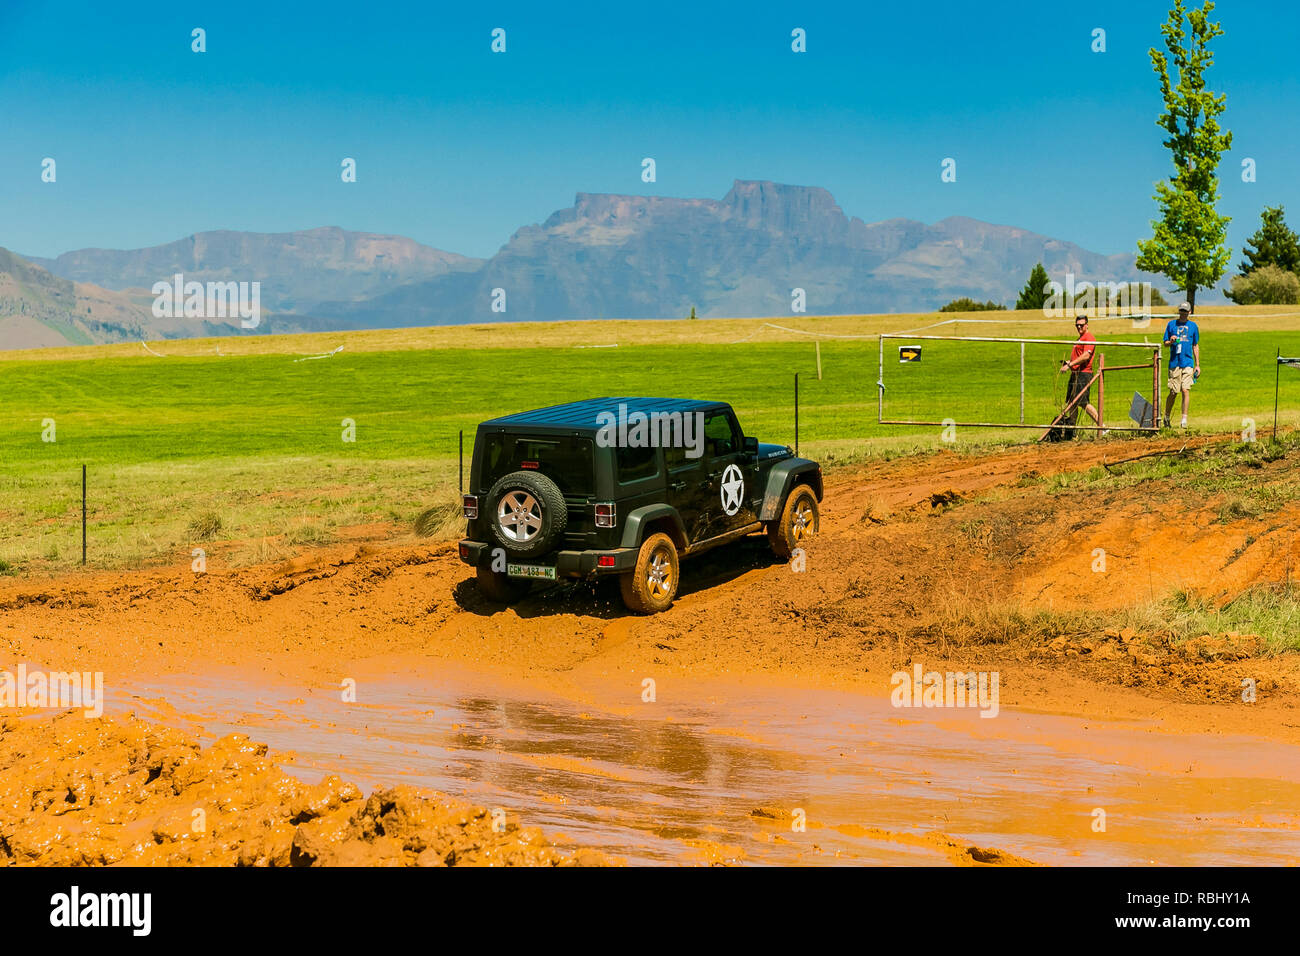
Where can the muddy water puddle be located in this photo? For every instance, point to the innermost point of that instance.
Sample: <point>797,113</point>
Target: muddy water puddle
<point>714,772</point>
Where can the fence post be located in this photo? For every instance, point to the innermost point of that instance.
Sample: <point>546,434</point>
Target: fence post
<point>796,413</point>
<point>1022,383</point>
<point>460,465</point>
<point>880,384</point>
<point>1155,390</point>
<point>1277,382</point>
<point>83,514</point>
<point>1101,393</point>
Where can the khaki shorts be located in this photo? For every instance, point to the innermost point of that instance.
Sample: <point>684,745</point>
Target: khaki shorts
<point>1180,379</point>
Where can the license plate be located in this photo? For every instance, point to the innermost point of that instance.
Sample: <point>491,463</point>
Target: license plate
<point>530,571</point>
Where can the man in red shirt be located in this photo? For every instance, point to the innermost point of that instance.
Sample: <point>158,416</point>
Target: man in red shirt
<point>1079,365</point>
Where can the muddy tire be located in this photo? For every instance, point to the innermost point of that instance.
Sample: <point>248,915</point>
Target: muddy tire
<point>799,521</point>
<point>652,585</point>
<point>498,586</point>
<point>526,514</point>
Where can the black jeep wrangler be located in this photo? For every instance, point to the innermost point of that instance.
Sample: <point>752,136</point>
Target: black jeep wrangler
<point>625,486</point>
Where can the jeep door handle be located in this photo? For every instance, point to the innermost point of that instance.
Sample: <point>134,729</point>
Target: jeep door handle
<point>676,486</point>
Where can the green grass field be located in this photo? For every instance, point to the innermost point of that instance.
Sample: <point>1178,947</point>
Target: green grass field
<point>256,439</point>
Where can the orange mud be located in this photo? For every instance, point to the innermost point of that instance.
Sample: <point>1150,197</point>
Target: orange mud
<point>97,792</point>
<point>906,548</point>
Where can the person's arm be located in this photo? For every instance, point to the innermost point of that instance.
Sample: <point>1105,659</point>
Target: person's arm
<point>1196,355</point>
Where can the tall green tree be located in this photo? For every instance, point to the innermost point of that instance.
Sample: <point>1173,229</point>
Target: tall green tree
<point>1187,242</point>
<point>1034,294</point>
<point>1275,244</point>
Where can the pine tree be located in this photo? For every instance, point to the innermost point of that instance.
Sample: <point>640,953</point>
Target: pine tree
<point>1187,244</point>
<point>1275,244</point>
<point>1034,294</point>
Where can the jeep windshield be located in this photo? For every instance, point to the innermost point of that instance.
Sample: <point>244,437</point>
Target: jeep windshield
<point>566,460</point>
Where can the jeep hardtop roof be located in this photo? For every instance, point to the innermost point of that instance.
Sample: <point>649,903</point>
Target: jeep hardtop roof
<point>582,416</point>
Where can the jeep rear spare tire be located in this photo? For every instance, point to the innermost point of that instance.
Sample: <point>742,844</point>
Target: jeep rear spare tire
<point>526,514</point>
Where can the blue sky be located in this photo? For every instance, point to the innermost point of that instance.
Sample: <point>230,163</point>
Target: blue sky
<point>457,147</point>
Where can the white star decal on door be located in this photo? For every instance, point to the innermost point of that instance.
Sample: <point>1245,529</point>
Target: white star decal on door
<point>733,489</point>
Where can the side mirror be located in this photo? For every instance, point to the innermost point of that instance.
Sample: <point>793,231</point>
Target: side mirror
<point>751,447</point>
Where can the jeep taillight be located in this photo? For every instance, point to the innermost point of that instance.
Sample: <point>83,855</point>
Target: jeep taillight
<point>470,503</point>
<point>606,516</point>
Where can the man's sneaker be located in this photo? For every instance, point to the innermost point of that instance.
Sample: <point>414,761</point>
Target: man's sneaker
<point>1183,423</point>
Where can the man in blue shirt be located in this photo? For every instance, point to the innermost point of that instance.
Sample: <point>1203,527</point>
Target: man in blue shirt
<point>1183,339</point>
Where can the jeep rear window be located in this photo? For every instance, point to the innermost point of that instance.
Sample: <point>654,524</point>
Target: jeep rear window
<point>566,460</point>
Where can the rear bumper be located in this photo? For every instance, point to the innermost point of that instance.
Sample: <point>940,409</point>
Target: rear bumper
<point>567,564</point>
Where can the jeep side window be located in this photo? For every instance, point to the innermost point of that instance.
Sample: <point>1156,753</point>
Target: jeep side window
<point>496,453</point>
<point>634,464</point>
<point>675,458</point>
<point>719,435</point>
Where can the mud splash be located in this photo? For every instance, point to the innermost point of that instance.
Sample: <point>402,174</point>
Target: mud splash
<point>726,773</point>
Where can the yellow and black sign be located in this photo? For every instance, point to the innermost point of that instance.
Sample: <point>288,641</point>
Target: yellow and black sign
<point>909,353</point>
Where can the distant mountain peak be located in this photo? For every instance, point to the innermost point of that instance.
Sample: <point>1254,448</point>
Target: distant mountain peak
<point>782,206</point>
<point>616,207</point>
<point>297,270</point>
<point>612,255</point>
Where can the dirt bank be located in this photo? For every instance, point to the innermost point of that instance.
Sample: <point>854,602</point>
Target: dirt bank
<point>95,792</point>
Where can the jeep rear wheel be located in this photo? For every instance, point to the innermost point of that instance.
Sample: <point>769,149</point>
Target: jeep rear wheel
<point>498,586</point>
<point>651,586</point>
<point>526,513</point>
<point>798,522</point>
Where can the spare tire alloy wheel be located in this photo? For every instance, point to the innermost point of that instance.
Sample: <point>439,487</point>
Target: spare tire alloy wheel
<point>520,516</point>
<point>528,514</point>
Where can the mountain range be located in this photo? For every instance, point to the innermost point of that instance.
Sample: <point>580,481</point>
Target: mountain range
<point>607,256</point>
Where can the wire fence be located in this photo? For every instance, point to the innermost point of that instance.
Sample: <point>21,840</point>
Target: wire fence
<point>1012,382</point>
